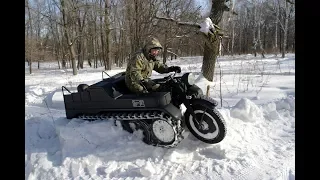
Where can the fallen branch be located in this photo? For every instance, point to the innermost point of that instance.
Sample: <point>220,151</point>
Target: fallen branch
<point>179,22</point>
<point>290,2</point>
<point>194,25</point>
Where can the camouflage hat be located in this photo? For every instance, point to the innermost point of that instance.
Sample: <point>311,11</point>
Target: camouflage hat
<point>152,43</point>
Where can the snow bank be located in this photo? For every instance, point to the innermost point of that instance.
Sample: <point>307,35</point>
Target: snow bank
<point>36,94</point>
<point>147,170</point>
<point>247,111</point>
<point>101,150</point>
<point>270,111</point>
<point>285,105</point>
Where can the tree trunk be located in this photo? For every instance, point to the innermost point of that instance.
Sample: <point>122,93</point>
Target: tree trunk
<point>57,57</point>
<point>255,43</point>
<point>165,50</point>
<point>276,30</point>
<point>102,56</point>
<point>95,45</point>
<point>91,53</point>
<point>122,48</point>
<point>240,39</point>
<point>95,53</point>
<point>108,34</point>
<point>259,37</point>
<point>30,24</point>
<point>211,50</point>
<point>63,53</point>
<point>264,36</point>
<point>68,38</point>
<point>285,30</point>
<point>79,49</point>
<point>232,40</point>
<point>129,16</point>
<point>210,54</point>
<point>136,38</point>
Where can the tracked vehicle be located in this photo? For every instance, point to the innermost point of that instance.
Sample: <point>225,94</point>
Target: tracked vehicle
<point>157,114</point>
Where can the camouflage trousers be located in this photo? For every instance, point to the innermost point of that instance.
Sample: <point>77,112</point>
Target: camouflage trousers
<point>135,87</point>
<point>138,88</point>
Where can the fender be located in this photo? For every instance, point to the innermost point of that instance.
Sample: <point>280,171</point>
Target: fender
<point>195,90</point>
<point>202,99</point>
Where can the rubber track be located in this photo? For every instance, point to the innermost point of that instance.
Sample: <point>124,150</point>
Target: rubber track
<point>149,117</point>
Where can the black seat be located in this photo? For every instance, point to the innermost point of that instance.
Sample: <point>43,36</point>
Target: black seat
<point>120,85</point>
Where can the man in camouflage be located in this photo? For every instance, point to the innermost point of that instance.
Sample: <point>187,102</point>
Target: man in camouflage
<point>140,66</point>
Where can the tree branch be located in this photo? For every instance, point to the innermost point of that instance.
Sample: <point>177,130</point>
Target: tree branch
<point>206,37</point>
<point>47,16</point>
<point>290,2</point>
<point>179,22</point>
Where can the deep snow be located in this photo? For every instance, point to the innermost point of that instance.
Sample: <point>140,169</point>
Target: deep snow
<point>258,106</point>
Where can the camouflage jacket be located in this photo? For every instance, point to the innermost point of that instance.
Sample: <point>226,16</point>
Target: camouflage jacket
<point>140,66</point>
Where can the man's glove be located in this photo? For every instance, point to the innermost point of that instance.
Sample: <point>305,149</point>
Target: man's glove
<point>149,84</point>
<point>174,69</point>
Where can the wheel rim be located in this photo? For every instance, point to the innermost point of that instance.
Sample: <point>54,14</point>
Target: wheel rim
<point>208,133</point>
<point>163,131</point>
<point>206,125</point>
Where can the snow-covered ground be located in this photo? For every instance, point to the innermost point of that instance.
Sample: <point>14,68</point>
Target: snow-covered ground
<point>258,104</point>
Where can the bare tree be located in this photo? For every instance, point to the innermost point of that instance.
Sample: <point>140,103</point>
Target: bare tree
<point>70,41</point>
<point>211,49</point>
<point>283,11</point>
<point>31,35</point>
<point>80,28</point>
<point>258,22</point>
<point>286,14</point>
<point>105,31</point>
<point>108,34</point>
<point>55,35</point>
<point>276,26</point>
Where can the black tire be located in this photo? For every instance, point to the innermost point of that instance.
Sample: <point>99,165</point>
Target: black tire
<point>144,126</point>
<point>126,126</point>
<point>216,119</point>
<point>139,125</point>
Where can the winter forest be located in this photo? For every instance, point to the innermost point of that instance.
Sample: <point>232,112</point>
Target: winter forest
<point>242,53</point>
<point>104,33</point>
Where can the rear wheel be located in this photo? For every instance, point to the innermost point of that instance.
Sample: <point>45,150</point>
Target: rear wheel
<point>144,127</point>
<point>138,125</point>
<point>212,128</point>
<point>163,131</point>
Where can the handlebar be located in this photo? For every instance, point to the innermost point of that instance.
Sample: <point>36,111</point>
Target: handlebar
<point>171,76</point>
<point>165,80</point>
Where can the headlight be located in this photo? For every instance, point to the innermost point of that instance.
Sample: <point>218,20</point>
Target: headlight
<point>189,78</point>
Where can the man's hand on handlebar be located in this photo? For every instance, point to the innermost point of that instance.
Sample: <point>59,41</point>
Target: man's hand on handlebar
<point>174,69</point>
